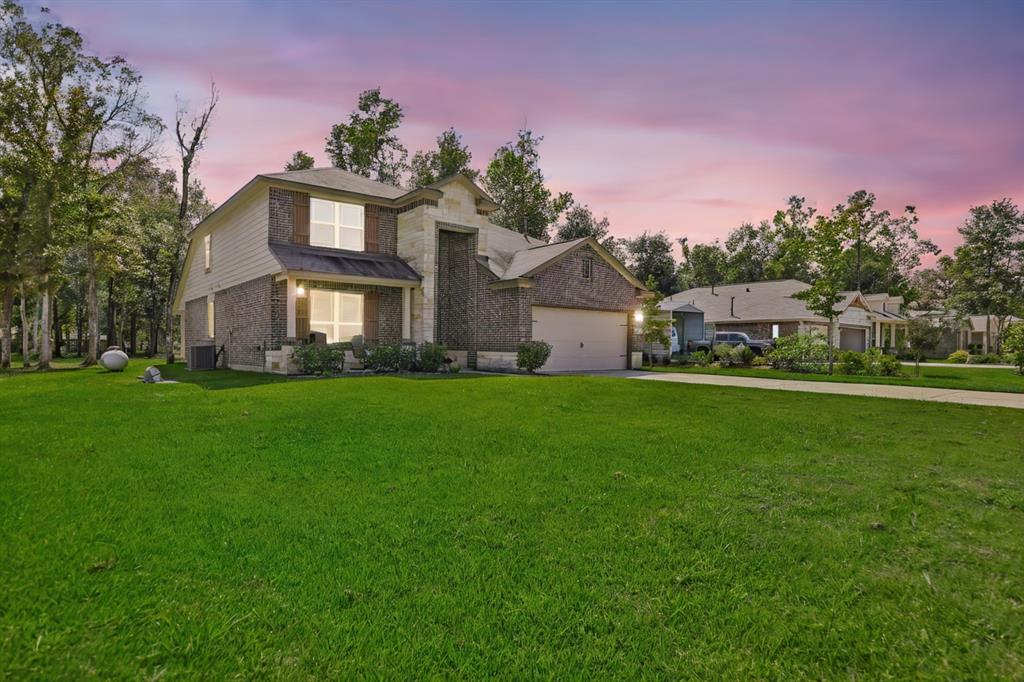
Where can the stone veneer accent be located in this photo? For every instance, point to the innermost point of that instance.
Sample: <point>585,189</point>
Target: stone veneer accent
<point>416,204</point>
<point>389,312</point>
<point>281,221</point>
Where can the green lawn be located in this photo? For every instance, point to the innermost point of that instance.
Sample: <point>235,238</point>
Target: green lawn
<point>514,527</point>
<point>959,378</point>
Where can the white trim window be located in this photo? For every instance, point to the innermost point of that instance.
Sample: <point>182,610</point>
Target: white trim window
<point>336,224</point>
<point>775,331</point>
<point>210,308</point>
<point>207,252</point>
<point>337,314</point>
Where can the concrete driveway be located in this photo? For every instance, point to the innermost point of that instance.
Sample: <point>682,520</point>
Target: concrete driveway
<point>937,395</point>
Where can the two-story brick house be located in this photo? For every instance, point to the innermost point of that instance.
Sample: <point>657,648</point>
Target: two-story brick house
<point>328,251</point>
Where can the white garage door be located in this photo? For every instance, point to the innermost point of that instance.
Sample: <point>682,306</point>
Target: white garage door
<point>852,339</point>
<point>581,339</point>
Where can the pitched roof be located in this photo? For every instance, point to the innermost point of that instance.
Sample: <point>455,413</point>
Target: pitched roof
<point>323,260</point>
<point>752,301</point>
<point>340,180</point>
<point>526,261</point>
<point>977,322</point>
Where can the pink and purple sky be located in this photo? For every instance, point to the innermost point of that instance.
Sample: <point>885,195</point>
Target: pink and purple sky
<point>684,117</point>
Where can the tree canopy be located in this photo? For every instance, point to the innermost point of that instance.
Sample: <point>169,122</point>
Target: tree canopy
<point>450,158</point>
<point>300,161</point>
<point>515,181</point>
<point>368,143</point>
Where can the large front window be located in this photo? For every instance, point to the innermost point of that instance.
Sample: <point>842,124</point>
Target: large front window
<point>334,224</point>
<point>337,314</point>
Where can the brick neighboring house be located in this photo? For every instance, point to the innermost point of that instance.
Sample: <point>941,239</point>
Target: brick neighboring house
<point>766,310</point>
<point>324,250</point>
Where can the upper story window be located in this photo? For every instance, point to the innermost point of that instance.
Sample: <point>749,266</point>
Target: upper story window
<point>588,267</point>
<point>208,255</point>
<point>335,224</point>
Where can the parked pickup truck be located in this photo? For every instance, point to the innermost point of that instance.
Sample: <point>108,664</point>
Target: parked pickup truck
<point>759,346</point>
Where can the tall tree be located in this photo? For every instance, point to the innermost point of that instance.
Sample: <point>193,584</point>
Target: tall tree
<point>703,265</point>
<point>649,255</point>
<point>191,131</point>
<point>300,161</point>
<point>450,158</point>
<point>580,221</point>
<point>827,242</point>
<point>793,226</point>
<point>368,144</point>
<point>514,180</point>
<point>934,287</point>
<point>750,250</point>
<point>989,270</point>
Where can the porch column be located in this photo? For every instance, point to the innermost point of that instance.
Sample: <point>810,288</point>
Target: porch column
<point>290,306</point>
<point>876,341</point>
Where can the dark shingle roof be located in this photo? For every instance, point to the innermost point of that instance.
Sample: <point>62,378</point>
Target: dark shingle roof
<point>337,262</point>
<point>335,178</point>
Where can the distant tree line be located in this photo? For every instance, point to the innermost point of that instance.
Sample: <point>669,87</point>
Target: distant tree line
<point>93,229</point>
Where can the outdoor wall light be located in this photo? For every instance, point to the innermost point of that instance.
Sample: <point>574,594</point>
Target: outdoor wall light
<point>300,291</point>
<point>638,317</point>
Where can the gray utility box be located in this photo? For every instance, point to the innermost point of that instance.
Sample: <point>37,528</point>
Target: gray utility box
<point>202,356</point>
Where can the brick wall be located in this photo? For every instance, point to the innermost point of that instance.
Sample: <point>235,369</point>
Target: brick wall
<point>389,312</point>
<point>281,225</point>
<point>757,330</point>
<point>387,230</point>
<point>471,316</point>
<point>455,288</point>
<point>563,284</point>
<point>244,321</point>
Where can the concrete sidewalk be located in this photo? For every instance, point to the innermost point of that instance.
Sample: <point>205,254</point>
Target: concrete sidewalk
<point>937,395</point>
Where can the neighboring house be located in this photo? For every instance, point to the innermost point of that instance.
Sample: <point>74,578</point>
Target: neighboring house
<point>328,251</point>
<point>970,333</point>
<point>767,310</point>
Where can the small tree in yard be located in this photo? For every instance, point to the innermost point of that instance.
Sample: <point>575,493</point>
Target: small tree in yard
<point>1013,344</point>
<point>826,247</point>
<point>922,336</point>
<point>653,328</point>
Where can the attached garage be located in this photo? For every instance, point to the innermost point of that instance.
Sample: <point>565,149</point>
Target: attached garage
<point>581,339</point>
<point>853,339</point>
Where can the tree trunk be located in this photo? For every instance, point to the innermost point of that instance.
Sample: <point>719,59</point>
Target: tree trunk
<point>988,333</point>
<point>831,355</point>
<point>169,319</point>
<point>6,313</point>
<point>79,328</point>
<point>92,302</point>
<point>26,348</point>
<point>133,332</point>
<point>111,314</point>
<point>45,350</point>
<point>57,336</point>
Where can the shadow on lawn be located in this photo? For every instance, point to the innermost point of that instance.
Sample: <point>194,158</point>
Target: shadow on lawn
<point>220,379</point>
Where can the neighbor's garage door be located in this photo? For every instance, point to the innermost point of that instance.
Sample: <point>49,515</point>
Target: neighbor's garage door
<point>852,339</point>
<point>581,339</point>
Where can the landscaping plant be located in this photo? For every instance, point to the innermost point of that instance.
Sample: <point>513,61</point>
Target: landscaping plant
<point>959,357</point>
<point>1013,345</point>
<point>701,358</point>
<point>723,353</point>
<point>432,357</point>
<point>531,355</point>
<point>320,359</point>
<point>922,336</point>
<point>742,355</point>
<point>654,328</point>
<point>805,352</point>
<point>390,358</point>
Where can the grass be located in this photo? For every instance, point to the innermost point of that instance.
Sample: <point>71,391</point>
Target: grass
<point>958,378</point>
<point>515,527</point>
